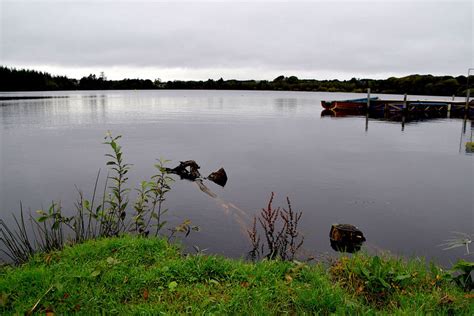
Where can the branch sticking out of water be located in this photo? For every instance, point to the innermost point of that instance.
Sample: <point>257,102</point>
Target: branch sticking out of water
<point>458,240</point>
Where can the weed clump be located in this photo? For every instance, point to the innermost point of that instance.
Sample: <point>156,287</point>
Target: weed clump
<point>387,282</point>
<point>280,229</point>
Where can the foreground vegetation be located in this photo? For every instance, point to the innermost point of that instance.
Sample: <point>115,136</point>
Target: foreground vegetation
<point>12,79</point>
<point>148,275</point>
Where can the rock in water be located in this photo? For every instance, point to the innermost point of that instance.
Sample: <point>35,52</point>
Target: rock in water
<point>219,177</point>
<point>346,238</point>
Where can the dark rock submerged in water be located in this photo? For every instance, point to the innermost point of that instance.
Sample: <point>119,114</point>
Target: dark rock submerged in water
<point>219,177</point>
<point>346,238</point>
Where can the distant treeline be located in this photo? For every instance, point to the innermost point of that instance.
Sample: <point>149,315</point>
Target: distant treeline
<point>29,80</point>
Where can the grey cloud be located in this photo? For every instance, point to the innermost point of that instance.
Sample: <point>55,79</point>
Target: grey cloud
<point>367,37</point>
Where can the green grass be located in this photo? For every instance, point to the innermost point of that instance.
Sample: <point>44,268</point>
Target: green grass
<point>132,275</point>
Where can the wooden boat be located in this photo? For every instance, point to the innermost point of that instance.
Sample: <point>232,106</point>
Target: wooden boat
<point>353,104</point>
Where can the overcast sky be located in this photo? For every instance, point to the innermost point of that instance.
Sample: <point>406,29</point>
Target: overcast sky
<point>241,40</point>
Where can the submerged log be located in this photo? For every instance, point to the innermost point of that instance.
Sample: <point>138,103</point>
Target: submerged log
<point>188,169</point>
<point>219,177</point>
<point>346,238</point>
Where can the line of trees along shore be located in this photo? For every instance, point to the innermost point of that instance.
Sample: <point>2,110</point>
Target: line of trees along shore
<point>12,79</point>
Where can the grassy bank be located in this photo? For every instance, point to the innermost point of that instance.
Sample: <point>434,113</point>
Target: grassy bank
<point>147,275</point>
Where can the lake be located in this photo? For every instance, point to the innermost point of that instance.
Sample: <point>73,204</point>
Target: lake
<point>408,186</point>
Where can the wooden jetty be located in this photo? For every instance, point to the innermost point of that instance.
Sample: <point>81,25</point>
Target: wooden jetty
<point>375,104</point>
<point>401,116</point>
<point>420,106</point>
<point>398,106</point>
<point>393,116</point>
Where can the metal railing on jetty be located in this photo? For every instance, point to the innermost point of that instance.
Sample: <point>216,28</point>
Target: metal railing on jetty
<point>419,105</point>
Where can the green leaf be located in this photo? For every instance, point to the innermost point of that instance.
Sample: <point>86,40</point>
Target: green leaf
<point>4,299</point>
<point>59,286</point>
<point>464,266</point>
<point>112,261</point>
<point>172,285</point>
<point>365,272</point>
<point>384,283</point>
<point>95,273</point>
<point>215,282</point>
<point>161,225</point>
<point>376,262</point>
<point>402,277</point>
<point>55,225</point>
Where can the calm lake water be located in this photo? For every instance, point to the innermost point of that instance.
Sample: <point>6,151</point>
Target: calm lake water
<point>407,188</point>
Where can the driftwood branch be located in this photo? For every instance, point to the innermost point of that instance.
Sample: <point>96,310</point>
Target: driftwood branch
<point>189,170</point>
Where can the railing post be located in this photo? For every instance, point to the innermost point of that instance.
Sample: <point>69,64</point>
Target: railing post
<point>405,103</point>
<point>368,99</point>
<point>468,91</point>
<point>468,95</point>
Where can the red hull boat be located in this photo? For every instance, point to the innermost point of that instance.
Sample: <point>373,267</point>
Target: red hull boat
<point>354,104</point>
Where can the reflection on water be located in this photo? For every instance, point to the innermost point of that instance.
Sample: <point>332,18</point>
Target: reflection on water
<point>404,118</point>
<point>411,118</point>
<point>406,182</point>
<point>286,104</point>
<point>54,112</point>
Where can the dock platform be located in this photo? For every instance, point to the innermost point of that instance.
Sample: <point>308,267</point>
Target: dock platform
<point>420,106</point>
<point>406,106</point>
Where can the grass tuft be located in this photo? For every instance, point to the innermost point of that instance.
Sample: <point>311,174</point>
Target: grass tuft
<point>395,284</point>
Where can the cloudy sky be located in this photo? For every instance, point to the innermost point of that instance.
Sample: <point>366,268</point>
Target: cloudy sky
<point>241,40</point>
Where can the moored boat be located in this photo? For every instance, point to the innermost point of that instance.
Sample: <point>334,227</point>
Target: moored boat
<point>352,104</point>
